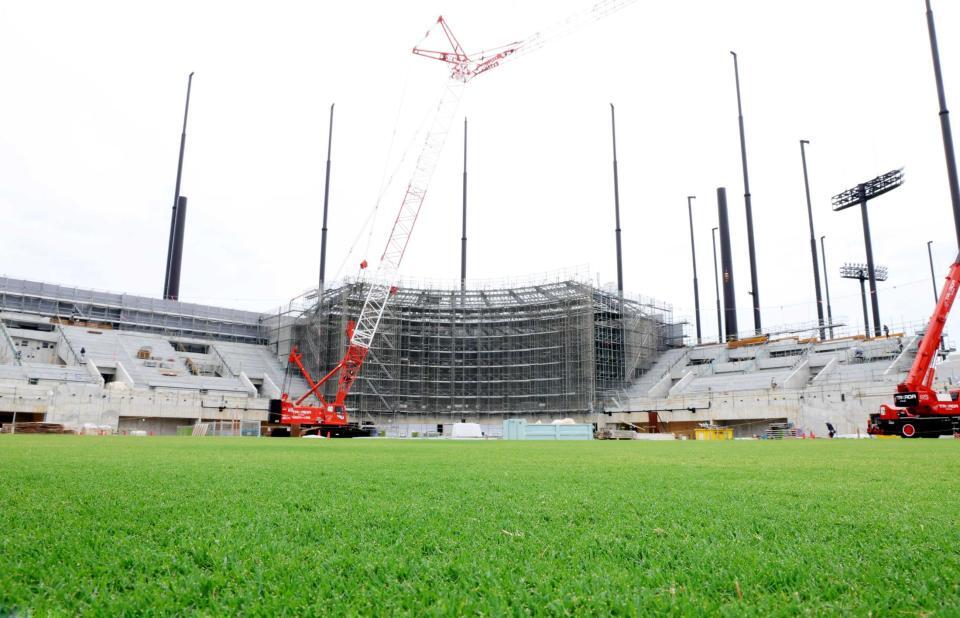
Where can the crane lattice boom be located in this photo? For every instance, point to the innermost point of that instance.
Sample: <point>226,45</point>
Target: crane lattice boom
<point>463,68</point>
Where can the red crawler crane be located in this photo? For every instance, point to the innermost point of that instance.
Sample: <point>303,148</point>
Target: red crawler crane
<point>331,415</point>
<point>917,410</point>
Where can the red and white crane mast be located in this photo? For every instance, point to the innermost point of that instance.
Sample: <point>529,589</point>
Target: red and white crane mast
<point>463,68</point>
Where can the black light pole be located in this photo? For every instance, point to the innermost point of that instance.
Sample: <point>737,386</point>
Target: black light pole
<point>860,195</point>
<point>945,124</point>
<point>863,299</point>
<point>826,284</point>
<point>326,202</point>
<point>933,277</point>
<point>616,201</point>
<point>726,261</point>
<point>755,291</point>
<point>463,236</point>
<point>716,281</point>
<point>176,261</point>
<point>693,252</point>
<point>813,240</point>
<point>871,270</point>
<point>176,192</point>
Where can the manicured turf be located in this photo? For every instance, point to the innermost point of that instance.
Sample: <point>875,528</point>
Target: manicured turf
<point>272,526</point>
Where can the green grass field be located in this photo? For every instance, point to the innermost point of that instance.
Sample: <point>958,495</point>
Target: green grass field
<point>272,526</point>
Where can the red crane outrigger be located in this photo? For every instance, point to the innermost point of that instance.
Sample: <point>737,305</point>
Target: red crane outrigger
<point>918,410</point>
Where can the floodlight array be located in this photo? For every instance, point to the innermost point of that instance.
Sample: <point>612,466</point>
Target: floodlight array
<point>868,190</point>
<point>860,271</point>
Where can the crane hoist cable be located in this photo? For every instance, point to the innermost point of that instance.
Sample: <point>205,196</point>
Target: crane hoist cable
<point>369,224</point>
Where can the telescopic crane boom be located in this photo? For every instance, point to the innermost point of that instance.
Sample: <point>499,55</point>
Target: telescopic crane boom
<point>918,411</point>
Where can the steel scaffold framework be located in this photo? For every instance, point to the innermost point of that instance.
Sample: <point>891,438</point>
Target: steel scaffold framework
<point>555,348</point>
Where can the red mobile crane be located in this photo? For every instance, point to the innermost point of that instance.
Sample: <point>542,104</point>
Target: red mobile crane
<point>917,410</point>
<point>331,416</point>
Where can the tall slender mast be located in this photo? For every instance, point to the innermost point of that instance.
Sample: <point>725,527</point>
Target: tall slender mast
<point>726,263</point>
<point>826,284</point>
<point>176,261</point>
<point>463,237</point>
<point>616,200</point>
<point>871,269</point>
<point>755,291</point>
<point>863,299</point>
<point>716,281</point>
<point>176,191</point>
<point>693,253</point>
<point>326,202</point>
<point>945,124</point>
<point>813,241</point>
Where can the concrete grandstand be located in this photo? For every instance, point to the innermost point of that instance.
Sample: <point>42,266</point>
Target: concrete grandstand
<point>81,357</point>
<point>539,351</point>
<point>803,382</point>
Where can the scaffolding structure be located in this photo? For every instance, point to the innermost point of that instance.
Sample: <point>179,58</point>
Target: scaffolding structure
<point>556,348</point>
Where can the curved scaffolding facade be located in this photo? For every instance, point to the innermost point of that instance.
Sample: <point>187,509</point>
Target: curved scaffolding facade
<point>555,349</point>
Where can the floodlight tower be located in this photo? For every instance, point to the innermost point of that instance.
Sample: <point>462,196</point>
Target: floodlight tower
<point>861,194</point>
<point>861,273</point>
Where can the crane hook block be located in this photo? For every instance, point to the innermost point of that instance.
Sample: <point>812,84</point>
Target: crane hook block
<point>363,264</point>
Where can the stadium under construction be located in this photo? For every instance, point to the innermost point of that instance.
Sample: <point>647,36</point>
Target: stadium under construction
<point>399,357</point>
<point>550,349</point>
<point>560,348</point>
<point>557,349</point>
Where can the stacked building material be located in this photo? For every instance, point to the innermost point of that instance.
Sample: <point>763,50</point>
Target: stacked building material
<point>34,428</point>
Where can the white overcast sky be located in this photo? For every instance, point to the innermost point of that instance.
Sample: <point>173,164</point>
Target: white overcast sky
<point>94,99</point>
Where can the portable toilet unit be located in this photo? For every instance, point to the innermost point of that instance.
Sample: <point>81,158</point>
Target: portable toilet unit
<point>515,429</point>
